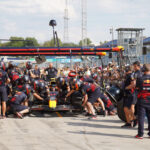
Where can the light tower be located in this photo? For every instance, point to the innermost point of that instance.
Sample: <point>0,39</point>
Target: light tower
<point>132,41</point>
<point>66,18</point>
<point>84,22</point>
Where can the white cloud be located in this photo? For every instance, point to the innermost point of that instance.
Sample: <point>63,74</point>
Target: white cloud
<point>112,6</point>
<point>126,6</point>
<point>8,26</point>
<point>41,7</point>
<point>11,27</point>
<point>30,17</point>
<point>16,19</point>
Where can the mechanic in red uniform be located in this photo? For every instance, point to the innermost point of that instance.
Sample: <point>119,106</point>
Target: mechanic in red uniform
<point>143,86</point>
<point>91,94</point>
<point>110,108</point>
<point>3,91</point>
<point>41,91</point>
<point>19,102</point>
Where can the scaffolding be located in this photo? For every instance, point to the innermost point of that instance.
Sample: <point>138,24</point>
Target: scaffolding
<point>84,22</point>
<point>66,19</point>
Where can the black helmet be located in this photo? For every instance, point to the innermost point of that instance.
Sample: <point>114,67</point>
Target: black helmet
<point>95,76</point>
<point>27,89</point>
<point>20,80</point>
<point>41,85</point>
<point>28,65</point>
<point>81,74</point>
<point>76,84</point>
<point>35,84</point>
<point>26,79</point>
<point>60,81</point>
<point>2,65</point>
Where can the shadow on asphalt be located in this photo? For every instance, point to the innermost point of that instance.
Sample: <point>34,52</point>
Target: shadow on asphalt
<point>51,114</point>
<point>98,120</point>
<point>97,126</point>
<point>43,114</point>
<point>101,134</point>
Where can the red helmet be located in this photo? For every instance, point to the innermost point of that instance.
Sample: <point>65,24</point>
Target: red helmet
<point>28,65</point>
<point>27,89</point>
<point>72,74</point>
<point>15,77</point>
<point>35,84</point>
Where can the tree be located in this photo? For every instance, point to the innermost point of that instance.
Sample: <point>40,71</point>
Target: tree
<point>101,43</point>
<point>31,41</point>
<point>20,42</point>
<point>70,45</point>
<point>89,42</point>
<point>14,42</point>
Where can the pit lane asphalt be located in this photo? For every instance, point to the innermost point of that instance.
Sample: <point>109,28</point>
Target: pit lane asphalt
<point>66,132</point>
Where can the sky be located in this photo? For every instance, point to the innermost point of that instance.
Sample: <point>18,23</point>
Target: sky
<point>30,18</point>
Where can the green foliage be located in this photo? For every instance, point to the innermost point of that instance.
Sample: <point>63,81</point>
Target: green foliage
<point>14,42</point>
<point>101,43</point>
<point>20,42</point>
<point>31,41</point>
<point>70,45</point>
<point>89,42</point>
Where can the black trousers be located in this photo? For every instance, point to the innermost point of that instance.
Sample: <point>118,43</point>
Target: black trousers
<point>142,111</point>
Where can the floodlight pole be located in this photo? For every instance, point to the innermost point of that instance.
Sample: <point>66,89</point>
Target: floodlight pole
<point>112,33</point>
<point>54,36</point>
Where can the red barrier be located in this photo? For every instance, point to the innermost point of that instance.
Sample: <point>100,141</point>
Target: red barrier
<point>57,51</point>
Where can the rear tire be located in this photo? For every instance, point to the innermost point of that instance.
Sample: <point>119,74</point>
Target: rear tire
<point>76,100</point>
<point>120,110</point>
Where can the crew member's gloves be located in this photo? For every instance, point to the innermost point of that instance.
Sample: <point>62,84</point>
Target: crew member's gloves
<point>46,100</point>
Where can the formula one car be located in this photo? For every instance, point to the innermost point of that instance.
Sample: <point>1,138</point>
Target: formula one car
<point>56,102</point>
